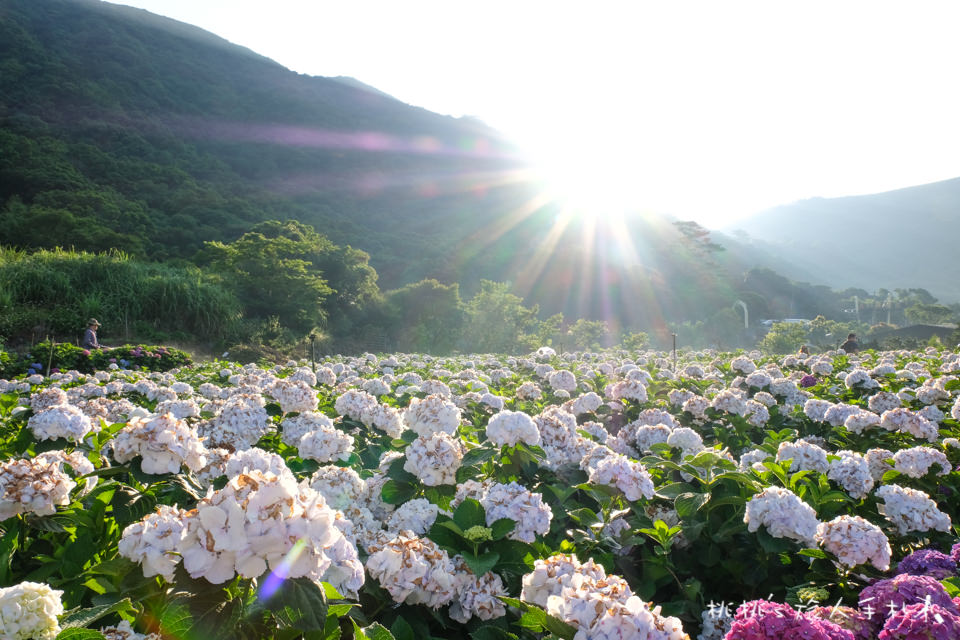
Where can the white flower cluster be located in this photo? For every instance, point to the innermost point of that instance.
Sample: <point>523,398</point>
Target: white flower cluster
<point>753,459</point>
<point>860,421</point>
<point>162,441</point>
<point>877,461</point>
<point>124,631</point>
<point>860,378</point>
<point>35,485</point>
<point>855,541</point>
<point>357,405</point>
<point>838,413</point>
<point>729,402</point>
<point>906,421</point>
<point>558,435</point>
<point>916,461</point>
<point>30,610</point>
<point>911,510</point>
<point>803,455</point>
<point>562,380</point>
<point>295,427</point>
<point>529,391</point>
<point>629,477</point>
<point>477,595</point>
<point>816,409</point>
<point>688,440</point>
<point>242,421</point>
<point>599,606</point>
<point>513,501</point>
<point>253,524</point>
<point>432,414</point>
<point>154,542</point>
<point>340,486</point>
<point>414,515</point>
<point>628,390</point>
<point>852,472</point>
<point>883,401</point>
<point>434,458</point>
<point>61,421</point>
<point>783,513</point>
<point>413,570</point>
<point>325,445</point>
<point>510,427</point>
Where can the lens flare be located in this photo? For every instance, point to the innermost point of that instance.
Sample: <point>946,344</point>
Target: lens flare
<point>275,579</point>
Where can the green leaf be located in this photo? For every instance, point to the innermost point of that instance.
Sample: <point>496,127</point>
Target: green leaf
<point>129,505</point>
<point>402,630</point>
<point>490,632</point>
<point>79,618</point>
<point>478,455</point>
<point>470,513</point>
<point>812,553</point>
<point>482,563</point>
<point>377,631</point>
<point>80,634</point>
<point>394,492</point>
<point>952,585</point>
<point>671,491</point>
<point>299,603</point>
<point>398,473</point>
<point>503,527</point>
<point>688,504</point>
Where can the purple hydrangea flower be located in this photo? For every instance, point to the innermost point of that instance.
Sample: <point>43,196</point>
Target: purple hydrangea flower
<point>808,380</point>
<point>928,562</point>
<point>765,620</point>
<point>921,622</point>
<point>955,552</point>
<point>885,597</point>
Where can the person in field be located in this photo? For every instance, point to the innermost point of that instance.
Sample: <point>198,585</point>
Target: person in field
<point>90,335</point>
<point>851,345</point>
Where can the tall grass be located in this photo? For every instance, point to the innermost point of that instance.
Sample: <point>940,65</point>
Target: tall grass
<point>56,291</point>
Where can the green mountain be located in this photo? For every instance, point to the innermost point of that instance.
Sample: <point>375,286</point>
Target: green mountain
<point>894,240</point>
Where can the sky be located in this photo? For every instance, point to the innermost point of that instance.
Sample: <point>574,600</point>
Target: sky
<point>700,109</point>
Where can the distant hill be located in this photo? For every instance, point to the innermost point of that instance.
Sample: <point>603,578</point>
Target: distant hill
<point>898,239</point>
<point>123,129</point>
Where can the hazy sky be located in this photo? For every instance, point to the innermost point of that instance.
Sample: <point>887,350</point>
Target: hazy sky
<point>708,110</point>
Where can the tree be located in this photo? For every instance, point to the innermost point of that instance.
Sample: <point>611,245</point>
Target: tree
<point>289,271</point>
<point>635,341</point>
<point>588,334</point>
<point>783,337</point>
<point>497,321</point>
<point>426,316</point>
<point>921,313</point>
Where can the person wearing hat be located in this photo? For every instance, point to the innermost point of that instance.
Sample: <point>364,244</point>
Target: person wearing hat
<point>90,335</point>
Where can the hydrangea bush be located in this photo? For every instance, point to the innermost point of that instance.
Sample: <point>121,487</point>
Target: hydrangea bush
<point>579,495</point>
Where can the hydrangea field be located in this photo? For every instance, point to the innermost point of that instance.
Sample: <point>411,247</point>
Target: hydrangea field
<point>583,495</point>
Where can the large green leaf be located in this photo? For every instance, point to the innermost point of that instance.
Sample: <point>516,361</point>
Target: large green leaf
<point>300,603</point>
<point>78,618</point>
<point>470,513</point>
<point>80,634</point>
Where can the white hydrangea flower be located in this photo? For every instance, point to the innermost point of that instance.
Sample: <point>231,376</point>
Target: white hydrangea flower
<point>242,421</point>
<point>253,524</point>
<point>906,421</point>
<point>852,472</point>
<point>816,409</point>
<point>743,364</point>
<point>295,427</point>
<point>629,477</point>
<point>124,631</point>
<point>729,402</point>
<point>883,401</point>
<point>325,445</point>
<point>47,398</point>
<point>340,486</point>
<point>35,485</point>
<point>477,595</point>
<point>529,391</point>
<point>877,461</point>
<point>696,406</point>
<point>162,441</point>
<point>549,575</point>
<point>911,510</point>
<point>30,610</point>
<point>837,414</point>
<point>804,455</point>
<point>634,390</point>
<point>524,507</point>
<point>855,541</point>
<point>414,515</point>
<point>688,440</point>
<point>434,458</point>
<point>753,459</point>
<point>510,427</point>
<point>432,414</point>
<point>783,514</point>
<point>633,619</point>
<point>916,461</point>
<point>357,405</point>
<point>185,408</point>
<point>61,421</point>
<point>861,420</point>
<point>562,380</point>
<point>293,395</point>
<point>154,542</point>
<point>860,378</point>
<point>413,570</point>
